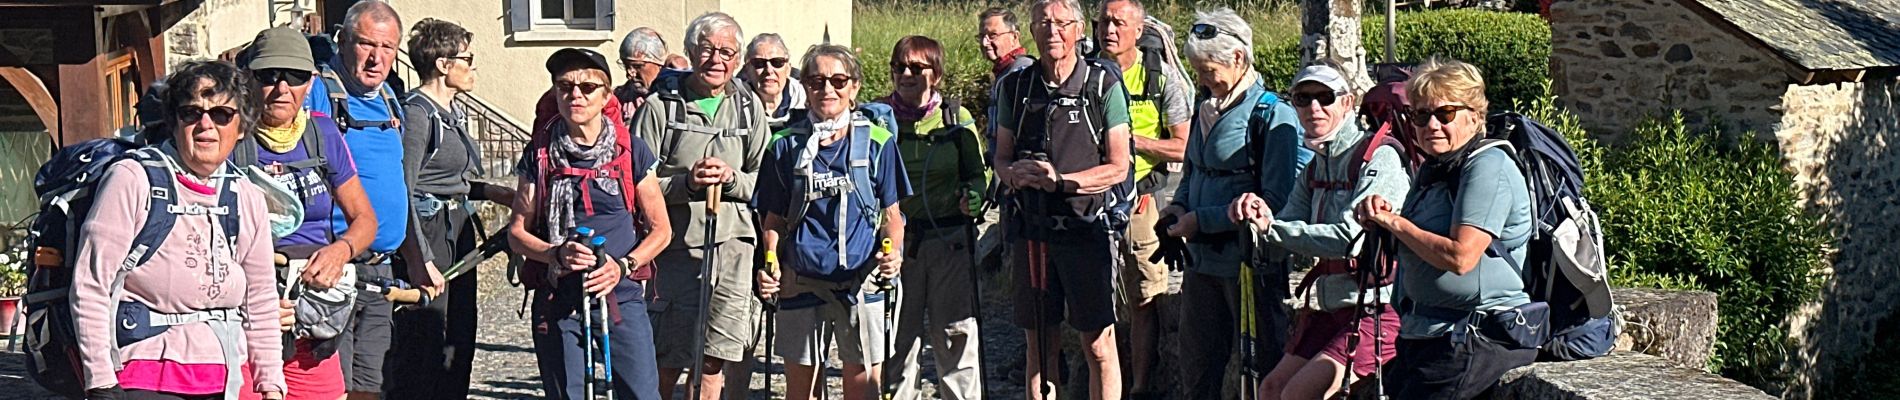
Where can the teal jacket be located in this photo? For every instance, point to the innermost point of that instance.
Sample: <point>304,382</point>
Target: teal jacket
<point>1217,172</point>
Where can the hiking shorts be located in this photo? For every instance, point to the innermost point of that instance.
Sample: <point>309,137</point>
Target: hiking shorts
<point>305,376</point>
<point>1329,333</point>
<point>734,318</point>
<point>1072,280</point>
<point>1141,279</point>
<point>861,330</point>
<point>363,348</point>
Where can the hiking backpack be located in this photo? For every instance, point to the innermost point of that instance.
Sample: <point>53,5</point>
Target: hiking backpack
<point>1118,202</point>
<point>66,185</point>
<point>1564,265</point>
<point>1259,134</point>
<point>533,274</point>
<point>340,103</point>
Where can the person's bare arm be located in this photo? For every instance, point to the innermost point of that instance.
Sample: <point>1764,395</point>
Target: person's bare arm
<point>520,241</point>
<point>653,213</point>
<point>1172,149</point>
<point>326,265</point>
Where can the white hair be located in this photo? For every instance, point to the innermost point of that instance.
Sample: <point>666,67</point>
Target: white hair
<point>709,24</point>
<point>375,10</point>
<point>644,43</point>
<point>1036,6</point>
<point>1235,36</point>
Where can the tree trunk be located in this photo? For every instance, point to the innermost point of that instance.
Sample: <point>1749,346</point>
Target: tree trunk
<point>1330,33</point>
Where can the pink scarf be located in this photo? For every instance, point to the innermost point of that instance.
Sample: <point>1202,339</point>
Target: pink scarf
<point>906,113</point>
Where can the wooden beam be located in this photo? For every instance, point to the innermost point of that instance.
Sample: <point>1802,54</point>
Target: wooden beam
<point>37,96</point>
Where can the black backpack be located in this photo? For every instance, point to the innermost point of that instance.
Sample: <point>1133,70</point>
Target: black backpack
<point>65,186</point>
<point>1564,265</point>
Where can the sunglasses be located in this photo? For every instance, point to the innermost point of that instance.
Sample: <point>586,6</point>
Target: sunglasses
<point>757,63</point>
<point>1303,99</point>
<point>913,69</point>
<point>270,76</point>
<point>817,82</point>
<point>587,88</point>
<point>469,58</point>
<point>221,115</point>
<point>1422,116</point>
<point>1206,32</point>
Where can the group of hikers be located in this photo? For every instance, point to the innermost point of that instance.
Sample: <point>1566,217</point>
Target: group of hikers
<point>667,221</point>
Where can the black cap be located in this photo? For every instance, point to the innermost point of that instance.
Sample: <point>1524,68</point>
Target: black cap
<point>564,58</point>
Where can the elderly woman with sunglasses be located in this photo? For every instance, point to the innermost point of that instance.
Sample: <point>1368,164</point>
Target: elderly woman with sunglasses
<point>1317,222</point>
<point>1243,140</point>
<point>944,158</point>
<point>768,69</point>
<point>210,275</point>
<point>1463,230</point>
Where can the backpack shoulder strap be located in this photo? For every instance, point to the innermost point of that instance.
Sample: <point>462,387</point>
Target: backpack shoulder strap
<point>1381,138</point>
<point>417,99</point>
<point>159,217</point>
<point>339,101</point>
<point>1259,122</point>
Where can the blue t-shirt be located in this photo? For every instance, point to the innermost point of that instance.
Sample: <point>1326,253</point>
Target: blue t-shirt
<point>309,184</point>
<point>1491,195</point>
<point>814,240</point>
<point>377,151</point>
<point>610,218</point>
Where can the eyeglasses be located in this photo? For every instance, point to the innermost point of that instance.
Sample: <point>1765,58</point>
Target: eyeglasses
<point>221,115</point>
<point>757,63</point>
<point>587,88</point>
<point>725,53</point>
<point>270,76</point>
<point>469,58</point>
<point>636,64</point>
<point>1326,98</point>
<point>1422,116</point>
<point>1057,24</point>
<point>991,37</point>
<point>1207,32</point>
<point>817,82</point>
<point>913,69</point>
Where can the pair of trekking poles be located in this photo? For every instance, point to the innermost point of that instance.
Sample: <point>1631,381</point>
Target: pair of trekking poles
<point>589,304</point>
<point>1370,270</point>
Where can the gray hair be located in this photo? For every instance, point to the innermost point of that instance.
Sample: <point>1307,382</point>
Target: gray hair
<point>1137,3</point>
<point>1009,17</point>
<point>709,24</point>
<point>1075,9</point>
<point>375,10</point>
<point>644,43</point>
<point>1235,35</point>
<point>843,54</point>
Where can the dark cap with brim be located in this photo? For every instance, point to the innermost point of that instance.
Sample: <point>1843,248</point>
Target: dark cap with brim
<point>565,59</point>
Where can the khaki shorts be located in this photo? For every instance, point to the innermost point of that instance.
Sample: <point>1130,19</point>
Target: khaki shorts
<point>1142,280</point>
<point>735,309</point>
<point>861,331</point>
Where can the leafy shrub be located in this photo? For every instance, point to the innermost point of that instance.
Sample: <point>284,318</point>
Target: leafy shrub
<point>1512,49</point>
<point>1690,209</point>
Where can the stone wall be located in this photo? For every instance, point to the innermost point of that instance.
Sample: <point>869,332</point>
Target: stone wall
<point>212,28</point>
<point>1838,140</point>
<point>1613,62</point>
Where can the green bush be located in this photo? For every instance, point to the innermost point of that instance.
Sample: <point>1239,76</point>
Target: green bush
<point>1690,209</point>
<point>1512,49</point>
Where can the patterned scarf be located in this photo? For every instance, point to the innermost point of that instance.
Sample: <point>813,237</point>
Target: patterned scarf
<point>566,191</point>
<point>905,112</point>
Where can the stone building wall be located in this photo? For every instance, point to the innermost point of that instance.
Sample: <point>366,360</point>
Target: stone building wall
<point>212,28</point>
<point>1839,140</point>
<point>1613,62</point>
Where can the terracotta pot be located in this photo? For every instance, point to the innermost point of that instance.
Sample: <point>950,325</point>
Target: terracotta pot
<point>10,308</point>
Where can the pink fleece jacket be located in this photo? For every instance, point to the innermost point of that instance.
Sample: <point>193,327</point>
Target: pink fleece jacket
<point>192,270</point>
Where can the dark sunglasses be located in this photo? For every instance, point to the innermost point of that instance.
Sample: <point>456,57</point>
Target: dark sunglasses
<point>221,115</point>
<point>1205,32</point>
<point>469,58</point>
<point>915,69</point>
<point>762,62</point>
<point>1422,116</point>
<point>817,82</point>
<point>1303,99</point>
<point>587,88</point>
<point>270,77</point>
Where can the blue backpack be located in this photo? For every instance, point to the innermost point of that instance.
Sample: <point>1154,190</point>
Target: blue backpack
<point>65,186</point>
<point>860,193</point>
<point>1564,266</point>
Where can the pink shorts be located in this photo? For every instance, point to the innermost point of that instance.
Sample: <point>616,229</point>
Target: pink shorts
<point>1316,333</point>
<point>305,377</point>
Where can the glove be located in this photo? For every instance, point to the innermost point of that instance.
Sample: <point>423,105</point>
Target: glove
<point>1172,250</point>
<point>106,393</point>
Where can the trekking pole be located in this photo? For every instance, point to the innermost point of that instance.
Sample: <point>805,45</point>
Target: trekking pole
<point>1039,279</point>
<point>976,307</point>
<point>771,320</point>
<point>705,287</point>
<point>587,326</point>
<point>824,361</point>
<point>606,323</point>
<point>1249,332</point>
<point>887,389</point>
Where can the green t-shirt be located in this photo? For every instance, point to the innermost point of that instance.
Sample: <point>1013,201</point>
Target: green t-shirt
<point>710,104</point>
<point>1492,196</point>
<point>1115,109</point>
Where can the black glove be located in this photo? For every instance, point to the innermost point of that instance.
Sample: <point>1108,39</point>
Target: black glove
<point>109,393</point>
<point>1172,249</point>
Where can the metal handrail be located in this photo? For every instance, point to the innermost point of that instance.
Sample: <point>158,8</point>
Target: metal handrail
<point>501,136</point>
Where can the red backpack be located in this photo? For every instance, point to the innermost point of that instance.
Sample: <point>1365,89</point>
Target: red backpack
<point>533,273</point>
